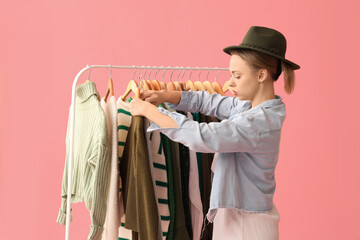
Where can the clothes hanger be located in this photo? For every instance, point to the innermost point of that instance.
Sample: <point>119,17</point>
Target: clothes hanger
<point>131,87</point>
<point>146,84</point>
<point>199,85</point>
<point>177,83</point>
<point>143,84</point>
<point>181,82</point>
<point>189,85</point>
<point>226,87</point>
<point>162,84</point>
<point>155,83</point>
<point>217,87</point>
<point>88,79</point>
<point>110,87</point>
<point>207,85</point>
<point>170,86</point>
<point>177,86</point>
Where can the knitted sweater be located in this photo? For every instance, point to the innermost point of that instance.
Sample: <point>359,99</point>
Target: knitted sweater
<point>90,159</point>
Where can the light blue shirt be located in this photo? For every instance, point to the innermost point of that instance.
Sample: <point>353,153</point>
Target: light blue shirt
<point>247,141</point>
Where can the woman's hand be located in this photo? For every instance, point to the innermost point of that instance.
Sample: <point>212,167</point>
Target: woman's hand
<point>140,107</point>
<point>137,107</point>
<point>152,96</point>
<point>161,96</point>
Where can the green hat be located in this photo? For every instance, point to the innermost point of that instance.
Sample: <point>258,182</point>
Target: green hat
<point>265,40</point>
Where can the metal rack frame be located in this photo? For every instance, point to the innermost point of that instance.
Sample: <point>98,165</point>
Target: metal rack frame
<point>72,118</point>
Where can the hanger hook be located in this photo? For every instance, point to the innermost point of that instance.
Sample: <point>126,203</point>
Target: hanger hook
<point>162,78</point>
<point>134,72</point>
<point>182,77</point>
<point>217,73</point>
<point>157,70</point>
<point>177,77</point>
<point>207,76</point>
<point>145,71</point>
<point>149,67</point>
<point>199,72</point>
<point>190,72</point>
<point>89,72</point>
<point>110,70</point>
<point>141,75</point>
<point>172,71</point>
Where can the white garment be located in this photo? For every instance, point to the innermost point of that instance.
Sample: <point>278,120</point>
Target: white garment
<point>231,224</point>
<point>112,221</point>
<point>196,208</point>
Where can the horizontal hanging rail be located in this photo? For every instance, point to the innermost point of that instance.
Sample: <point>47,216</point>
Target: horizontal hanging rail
<point>72,118</point>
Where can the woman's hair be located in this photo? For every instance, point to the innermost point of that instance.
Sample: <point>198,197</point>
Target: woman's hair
<point>258,60</point>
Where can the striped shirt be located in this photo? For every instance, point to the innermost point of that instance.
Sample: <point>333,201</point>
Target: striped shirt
<point>124,122</point>
<point>159,175</point>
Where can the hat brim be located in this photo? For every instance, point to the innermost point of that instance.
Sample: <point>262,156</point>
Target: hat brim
<point>230,48</point>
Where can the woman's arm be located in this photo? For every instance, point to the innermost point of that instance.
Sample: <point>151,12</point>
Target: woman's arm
<point>238,135</point>
<point>139,107</point>
<point>214,105</point>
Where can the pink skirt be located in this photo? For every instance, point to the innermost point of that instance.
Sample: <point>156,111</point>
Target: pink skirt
<point>235,224</point>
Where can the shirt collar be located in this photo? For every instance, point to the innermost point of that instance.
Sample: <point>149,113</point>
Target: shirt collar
<point>85,91</point>
<point>268,103</point>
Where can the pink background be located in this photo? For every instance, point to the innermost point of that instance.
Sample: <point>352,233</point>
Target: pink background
<point>44,44</point>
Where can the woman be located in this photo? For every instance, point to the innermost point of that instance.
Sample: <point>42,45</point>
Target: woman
<point>247,139</point>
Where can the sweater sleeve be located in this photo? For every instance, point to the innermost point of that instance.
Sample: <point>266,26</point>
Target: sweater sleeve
<point>64,185</point>
<point>100,165</point>
<point>214,105</point>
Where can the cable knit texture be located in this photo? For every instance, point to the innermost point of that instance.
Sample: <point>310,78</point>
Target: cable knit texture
<point>90,162</point>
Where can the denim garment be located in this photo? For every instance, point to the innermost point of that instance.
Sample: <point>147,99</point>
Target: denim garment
<point>247,141</point>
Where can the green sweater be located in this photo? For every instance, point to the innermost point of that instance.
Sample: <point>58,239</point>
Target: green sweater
<point>91,153</point>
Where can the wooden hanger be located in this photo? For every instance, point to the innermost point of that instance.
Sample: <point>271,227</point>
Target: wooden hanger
<point>190,85</point>
<point>162,85</point>
<point>156,85</point>
<point>208,87</point>
<point>226,87</point>
<point>131,87</point>
<point>199,86</point>
<point>183,86</point>
<point>170,86</point>
<point>149,83</point>
<point>144,85</point>
<point>110,89</point>
<point>217,87</point>
<point>177,86</point>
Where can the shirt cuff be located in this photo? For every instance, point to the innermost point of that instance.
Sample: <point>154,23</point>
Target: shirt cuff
<point>184,101</point>
<point>177,117</point>
<point>62,217</point>
<point>95,232</point>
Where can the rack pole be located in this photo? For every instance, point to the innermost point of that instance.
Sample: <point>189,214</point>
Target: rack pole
<point>72,119</point>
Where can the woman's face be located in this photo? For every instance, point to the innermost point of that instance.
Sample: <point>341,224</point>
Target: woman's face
<point>244,80</point>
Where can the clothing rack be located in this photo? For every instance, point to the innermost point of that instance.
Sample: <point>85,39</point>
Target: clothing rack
<point>72,118</point>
